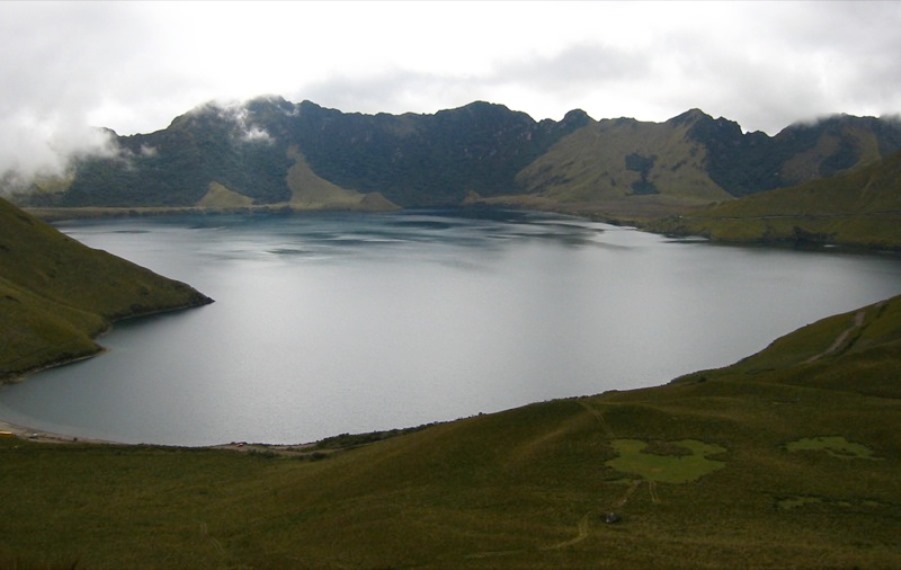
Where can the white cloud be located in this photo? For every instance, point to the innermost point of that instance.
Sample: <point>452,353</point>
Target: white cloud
<point>244,129</point>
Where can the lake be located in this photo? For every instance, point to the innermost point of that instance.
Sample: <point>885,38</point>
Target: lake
<point>327,323</point>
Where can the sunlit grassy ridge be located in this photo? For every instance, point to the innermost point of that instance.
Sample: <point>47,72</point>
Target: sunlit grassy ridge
<point>614,159</point>
<point>530,487</point>
<point>221,197</point>
<point>861,208</point>
<point>56,294</point>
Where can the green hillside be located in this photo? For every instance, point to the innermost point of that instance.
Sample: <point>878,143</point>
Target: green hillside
<point>621,170</point>
<point>614,159</point>
<point>787,459</point>
<point>56,294</point>
<point>860,208</point>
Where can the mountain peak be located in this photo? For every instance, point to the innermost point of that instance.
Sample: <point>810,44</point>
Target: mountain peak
<point>577,117</point>
<point>691,116</point>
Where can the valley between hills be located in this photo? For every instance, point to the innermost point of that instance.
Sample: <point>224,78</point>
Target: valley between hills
<point>787,458</point>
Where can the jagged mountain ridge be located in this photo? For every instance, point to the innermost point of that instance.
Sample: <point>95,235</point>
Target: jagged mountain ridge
<point>481,149</point>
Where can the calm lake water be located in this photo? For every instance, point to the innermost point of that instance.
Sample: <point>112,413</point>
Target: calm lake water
<point>333,323</point>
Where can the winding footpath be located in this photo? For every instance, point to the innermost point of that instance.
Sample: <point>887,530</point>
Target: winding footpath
<point>841,342</point>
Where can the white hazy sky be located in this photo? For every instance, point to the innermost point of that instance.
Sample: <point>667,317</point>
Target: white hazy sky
<point>133,66</point>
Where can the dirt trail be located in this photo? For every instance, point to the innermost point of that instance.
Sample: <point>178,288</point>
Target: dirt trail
<point>600,417</point>
<point>652,487</point>
<point>581,534</point>
<point>841,339</point>
<point>625,498</point>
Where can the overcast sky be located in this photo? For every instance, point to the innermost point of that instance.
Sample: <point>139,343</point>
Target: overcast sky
<point>133,66</point>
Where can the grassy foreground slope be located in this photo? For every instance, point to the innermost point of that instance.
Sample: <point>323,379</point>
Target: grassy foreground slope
<point>787,459</point>
<point>56,294</point>
<point>859,208</point>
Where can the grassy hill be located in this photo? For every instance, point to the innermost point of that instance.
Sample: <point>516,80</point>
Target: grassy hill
<point>860,208</point>
<point>614,159</point>
<point>787,459</point>
<point>57,294</point>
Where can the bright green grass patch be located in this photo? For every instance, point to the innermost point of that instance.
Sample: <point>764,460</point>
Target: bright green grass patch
<point>834,445</point>
<point>668,468</point>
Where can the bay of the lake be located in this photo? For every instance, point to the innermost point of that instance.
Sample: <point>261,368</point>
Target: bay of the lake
<point>328,323</point>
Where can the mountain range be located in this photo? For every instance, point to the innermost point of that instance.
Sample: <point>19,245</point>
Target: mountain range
<point>269,152</point>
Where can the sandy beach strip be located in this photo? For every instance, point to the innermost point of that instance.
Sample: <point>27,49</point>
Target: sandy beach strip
<point>8,429</point>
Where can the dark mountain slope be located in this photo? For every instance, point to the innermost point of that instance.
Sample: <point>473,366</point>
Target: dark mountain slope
<point>175,166</point>
<point>745,164</point>
<point>55,293</point>
<point>861,207</point>
<point>417,160</point>
<point>412,160</point>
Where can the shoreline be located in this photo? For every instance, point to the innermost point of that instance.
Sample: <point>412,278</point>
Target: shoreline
<point>8,429</point>
<point>311,451</point>
<point>23,375</point>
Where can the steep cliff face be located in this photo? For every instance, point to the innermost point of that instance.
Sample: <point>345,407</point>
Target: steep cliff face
<point>56,294</point>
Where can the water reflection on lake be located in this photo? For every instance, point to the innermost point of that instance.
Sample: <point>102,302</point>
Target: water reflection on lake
<point>342,322</point>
